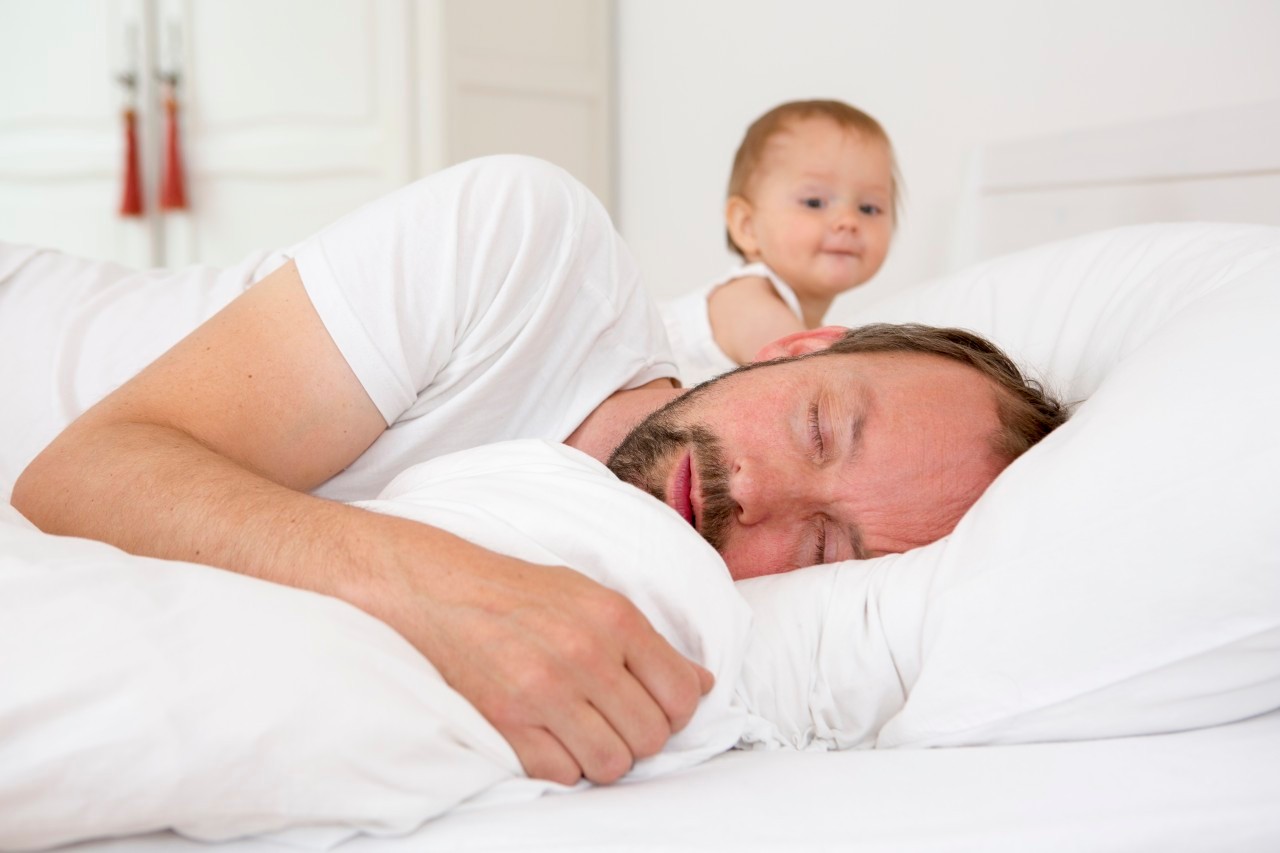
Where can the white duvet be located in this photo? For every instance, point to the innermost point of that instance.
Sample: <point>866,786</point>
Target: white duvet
<point>1122,578</point>
<point>153,694</point>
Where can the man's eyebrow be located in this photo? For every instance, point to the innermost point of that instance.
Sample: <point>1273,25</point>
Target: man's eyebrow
<point>859,421</point>
<point>861,406</point>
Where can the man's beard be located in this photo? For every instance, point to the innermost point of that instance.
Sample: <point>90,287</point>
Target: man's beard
<point>659,438</point>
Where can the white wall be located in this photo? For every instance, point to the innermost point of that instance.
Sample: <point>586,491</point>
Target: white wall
<point>942,77</point>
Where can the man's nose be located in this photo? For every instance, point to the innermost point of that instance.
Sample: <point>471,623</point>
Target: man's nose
<point>761,491</point>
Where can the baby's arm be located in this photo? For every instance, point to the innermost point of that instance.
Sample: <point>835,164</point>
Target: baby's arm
<point>746,314</point>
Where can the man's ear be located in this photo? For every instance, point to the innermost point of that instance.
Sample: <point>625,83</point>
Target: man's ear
<point>800,343</point>
<point>738,214</point>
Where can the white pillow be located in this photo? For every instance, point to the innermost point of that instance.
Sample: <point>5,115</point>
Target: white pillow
<point>1072,310</point>
<point>1121,578</point>
<point>139,694</point>
<point>550,504</point>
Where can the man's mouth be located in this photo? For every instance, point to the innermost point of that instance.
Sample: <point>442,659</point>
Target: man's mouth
<point>680,490</point>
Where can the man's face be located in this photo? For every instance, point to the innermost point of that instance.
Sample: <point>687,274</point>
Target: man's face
<point>821,459</point>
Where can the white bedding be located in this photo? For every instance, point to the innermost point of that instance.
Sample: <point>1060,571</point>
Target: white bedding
<point>241,707</point>
<point>1123,578</point>
<point>1191,792</point>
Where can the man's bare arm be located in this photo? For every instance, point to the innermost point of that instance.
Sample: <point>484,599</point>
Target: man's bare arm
<point>207,456</point>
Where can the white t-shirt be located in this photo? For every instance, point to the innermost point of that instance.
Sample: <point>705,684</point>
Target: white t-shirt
<point>492,300</point>
<point>688,324</point>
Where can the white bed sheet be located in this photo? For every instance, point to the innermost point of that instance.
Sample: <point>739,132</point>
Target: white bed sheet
<point>1209,789</point>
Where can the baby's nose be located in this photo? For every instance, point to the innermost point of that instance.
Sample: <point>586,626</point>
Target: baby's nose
<point>844,216</point>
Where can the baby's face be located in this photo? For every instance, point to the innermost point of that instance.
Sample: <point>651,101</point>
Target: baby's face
<point>821,207</point>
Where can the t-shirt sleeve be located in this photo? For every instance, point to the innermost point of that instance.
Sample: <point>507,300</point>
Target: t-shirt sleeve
<point>447,272</point>
<point>381,280</point>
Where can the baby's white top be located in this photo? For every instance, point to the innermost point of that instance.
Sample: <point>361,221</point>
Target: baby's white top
<point>688,324</point>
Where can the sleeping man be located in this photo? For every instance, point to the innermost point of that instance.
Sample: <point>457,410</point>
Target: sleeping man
<point>495,301</point>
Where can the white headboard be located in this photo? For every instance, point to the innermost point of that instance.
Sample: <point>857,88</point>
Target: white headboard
<point>1220,165</point>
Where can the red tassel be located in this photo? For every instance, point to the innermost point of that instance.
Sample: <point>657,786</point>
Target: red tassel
<point>173,195</point>
<point>131,198</point>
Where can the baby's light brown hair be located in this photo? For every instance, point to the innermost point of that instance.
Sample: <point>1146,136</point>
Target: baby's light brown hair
<point>746,162</point>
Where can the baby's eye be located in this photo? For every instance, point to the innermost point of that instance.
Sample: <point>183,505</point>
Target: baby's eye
<point>814,203</point>
<point>870,209</point>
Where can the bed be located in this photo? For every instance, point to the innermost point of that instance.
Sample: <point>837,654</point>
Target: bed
<point>1219,165</point>
<point>1207,790</point>
<point>1091,661</point>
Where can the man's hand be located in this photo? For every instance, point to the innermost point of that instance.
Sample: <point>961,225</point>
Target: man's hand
<point>569,672</point>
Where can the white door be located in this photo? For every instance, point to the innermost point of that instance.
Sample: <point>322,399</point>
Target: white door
<point>290,113</point>
<point>294,112</point>
<point>61,134</point>
<point>519,76</point>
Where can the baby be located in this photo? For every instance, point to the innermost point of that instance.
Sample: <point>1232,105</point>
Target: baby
<point>811,208</point>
